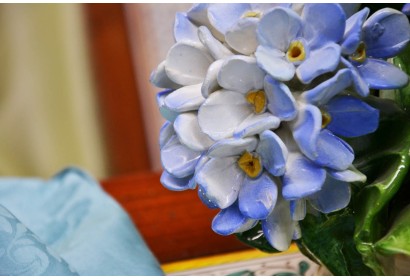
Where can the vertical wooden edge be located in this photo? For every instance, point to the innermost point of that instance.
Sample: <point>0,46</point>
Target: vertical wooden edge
<point>118,97</point>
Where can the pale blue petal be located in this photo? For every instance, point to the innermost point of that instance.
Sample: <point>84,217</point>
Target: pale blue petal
<point>185,99</point>
<point>324,24</point>
<point>298,209</point>
<point>353,32</point>
<point>335,195</point>
<point>177,184</point>
<point>274,63</point>
<point>380,74</point>
<point>205,200</point>
<point>222,113</point>
<point>406,9</point>
<point>333,152</point>
<point>350,8</point>
<point>297,233</point>
<point>266,7</point>
<point>233,147</point>
<point>215,47</point>
<point>257,197</point>
<point>242,36</point>
<point>348,175</point>
<point>325,91</point>
<point>278,228</point>
<point>273,153</point>
<point>278,28</point>
<point>351,117</point>
<point>177,159</point>
<point>359,84</point>
<point>160,79</point>
<point>256,123</point>
<point>281,102</point>
<point>319,62</point>
<point>307,128</point>
<point>179,64</point>
<point>165,133</point>
<point>241,74</point>
<point>210,83</point>
<point>302,177</point>
<point>386,33</point>
<point>224,16</point>
<point>199,14</point>
<point>231,220</point>
<point>188,131</point>
<point>165,112</point>
<point>221,180</point>
<point>184,29</point>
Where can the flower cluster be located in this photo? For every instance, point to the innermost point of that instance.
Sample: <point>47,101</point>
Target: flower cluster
<point>259,99</point>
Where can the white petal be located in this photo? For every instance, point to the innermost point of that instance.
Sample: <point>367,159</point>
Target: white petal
<point>278,28</point>
<point>215,47</point>
<point>241,74</point>
<point>222,112</point>
<point>210,83</point>
<point>165,112</point>
<point>232,147</point>
<point>160,79</point>
<point>165,133</point>
<point>187,63</point>
<point>188,131</point>
<point>274,63</point>
<point>185,99</point>
<point>278,228</point>
<point>221,180</point>
<point>184,29</point>
<point>348,175</point>
<point>242,36</point>
<point>177,159</point>
<point>255,124</point>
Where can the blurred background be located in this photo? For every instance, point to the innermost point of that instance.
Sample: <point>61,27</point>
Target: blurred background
<point>75,91</point>
<point>74,87</point>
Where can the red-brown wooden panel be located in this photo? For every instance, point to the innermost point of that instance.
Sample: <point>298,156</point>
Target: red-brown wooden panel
<point>175,225</point>
<point>117,90</point>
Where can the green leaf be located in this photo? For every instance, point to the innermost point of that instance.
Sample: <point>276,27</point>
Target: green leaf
<point>384,157</point>
<point>330,239</point>
<point>397,239</point>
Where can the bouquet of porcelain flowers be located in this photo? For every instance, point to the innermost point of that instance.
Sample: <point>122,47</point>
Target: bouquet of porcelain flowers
<point>275,113</point>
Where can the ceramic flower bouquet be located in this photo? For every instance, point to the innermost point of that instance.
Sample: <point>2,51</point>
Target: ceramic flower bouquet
<point>280,115</point>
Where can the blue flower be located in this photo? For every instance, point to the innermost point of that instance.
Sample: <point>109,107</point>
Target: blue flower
<point>316,129</point>
<point>305,45</point>
<point>369,42</point>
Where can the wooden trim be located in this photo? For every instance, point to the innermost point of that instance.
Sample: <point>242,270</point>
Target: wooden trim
<point>175,225</point>
<point>119,102</point>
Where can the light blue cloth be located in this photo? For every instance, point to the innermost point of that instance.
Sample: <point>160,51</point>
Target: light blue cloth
<point>65,226</point>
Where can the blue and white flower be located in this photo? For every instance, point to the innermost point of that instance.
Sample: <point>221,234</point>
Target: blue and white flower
<point>305,45</point>
<point>259,99</point>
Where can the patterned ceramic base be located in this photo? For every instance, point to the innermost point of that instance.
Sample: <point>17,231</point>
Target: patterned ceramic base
<point>250,263</point>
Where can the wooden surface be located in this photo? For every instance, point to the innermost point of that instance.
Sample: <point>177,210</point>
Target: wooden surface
<point>119,103</point>
<point>175,225</point>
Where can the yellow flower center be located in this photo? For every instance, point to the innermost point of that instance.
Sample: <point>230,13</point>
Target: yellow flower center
<point>254,14</point>
<point>360,54</point>
<point>250,164</point>
<point>257,99</point>
<point>296,52</point>
<point>326,118</point>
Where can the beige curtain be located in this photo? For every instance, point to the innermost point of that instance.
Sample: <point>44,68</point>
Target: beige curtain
<point>48,116</point>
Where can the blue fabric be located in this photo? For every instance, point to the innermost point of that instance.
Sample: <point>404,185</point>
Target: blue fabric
<point>77,221</point>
